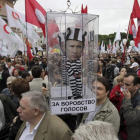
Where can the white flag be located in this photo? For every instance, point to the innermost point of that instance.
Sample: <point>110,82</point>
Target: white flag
<point>9,36</point>
<point>118,35</point>
<point>102,47</point>
<point>3,50</point>
<point>17,19</point>
<point>13,47</point>
<point>114,49</point>
<point>122,48</point>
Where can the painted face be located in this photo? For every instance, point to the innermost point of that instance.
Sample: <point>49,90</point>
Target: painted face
<point>26,113</point>
<point>123,71</point>
<point>101,91</point>
<point>74,49</point>
<point>128,83</point>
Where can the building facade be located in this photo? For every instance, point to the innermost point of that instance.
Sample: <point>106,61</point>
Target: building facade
<point>3,9</point>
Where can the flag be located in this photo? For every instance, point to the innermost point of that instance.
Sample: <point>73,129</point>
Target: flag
<point>3,50</point>
<point>138,34</point>
<point>52,29</point>
<point>102,47</point>
<point>29,54</point>
<point>118,35</point>
<point>8,35</point>
<point>17,20</point>
<point>13,47</point>
<point>114,48</point>
<point>136,10</point>
<point>84,10</point>
<point>122,48</point>
<point>35,14</point>
<point>132,30</point>
<point>117,45</point>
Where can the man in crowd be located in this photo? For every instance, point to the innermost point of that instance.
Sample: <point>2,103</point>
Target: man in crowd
<point>10,67</point>
<point>36,83</point>
<point>130,109</point>
<point>4,74</point>
<point>136,69</point>
<point>105,110</point>
<point>38,123</point>
<point>8,91</point>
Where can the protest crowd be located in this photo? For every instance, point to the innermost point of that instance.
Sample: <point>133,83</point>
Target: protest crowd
<point>29,82</point>
<point>116,107</point>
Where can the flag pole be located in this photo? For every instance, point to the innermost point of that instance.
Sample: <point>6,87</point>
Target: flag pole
<point>27,39</point>
<point>126,41</point>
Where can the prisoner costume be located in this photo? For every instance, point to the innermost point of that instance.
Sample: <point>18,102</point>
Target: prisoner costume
<point>74,75</point>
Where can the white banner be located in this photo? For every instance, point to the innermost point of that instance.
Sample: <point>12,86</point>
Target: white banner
<point>72,106</point>
<point>13,47</point>
<point>17,19</point>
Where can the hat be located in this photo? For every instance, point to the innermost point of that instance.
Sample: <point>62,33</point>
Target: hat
<point>76,34</point>
<point>135,64</point>
<point>10,79</point>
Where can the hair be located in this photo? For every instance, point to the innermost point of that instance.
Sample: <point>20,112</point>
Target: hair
<point>122,68</point>
<point>135,58</point>
<point>20,86</point>
<point>24,75</point>
<point>95,130</point>
<point>19,72</point>
<point>120,77</point>
<point>37,99</point>
<point>136,78</point>
<point>114,61</point>
<point>103,81</point>
<point>36,71</point>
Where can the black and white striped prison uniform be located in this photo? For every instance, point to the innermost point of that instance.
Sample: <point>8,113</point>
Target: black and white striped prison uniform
<point>89,74</point>
<point>64,70</point>
<point>74,75</point>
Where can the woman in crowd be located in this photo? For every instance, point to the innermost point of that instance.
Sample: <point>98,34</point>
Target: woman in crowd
<point>17,73</point>
<point>122,72</point>
<point>116,94</point>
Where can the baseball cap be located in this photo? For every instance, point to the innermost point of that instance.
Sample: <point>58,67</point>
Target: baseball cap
<point>10,79</point>
<point>135,64</point>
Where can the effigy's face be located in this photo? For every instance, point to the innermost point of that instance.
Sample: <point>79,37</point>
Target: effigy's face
<point>74,49</point>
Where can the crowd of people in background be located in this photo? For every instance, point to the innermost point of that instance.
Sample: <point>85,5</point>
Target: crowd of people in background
<point>23,106</point>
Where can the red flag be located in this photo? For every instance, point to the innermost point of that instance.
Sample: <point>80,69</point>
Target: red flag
<point>136,10</point>
<point>52,28</point>
<point>29,51</point>
<point>132,30</point>
<point>35,14</point>
<point>138,34</point>
<point>84,10</point>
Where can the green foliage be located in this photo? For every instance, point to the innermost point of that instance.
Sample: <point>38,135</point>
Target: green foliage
<point>106,38</point>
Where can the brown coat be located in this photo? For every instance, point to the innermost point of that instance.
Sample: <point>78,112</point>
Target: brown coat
<point>50,128</point>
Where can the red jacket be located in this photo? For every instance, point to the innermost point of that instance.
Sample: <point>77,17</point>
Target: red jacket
<point>21,68</point>
<point>117,101</point>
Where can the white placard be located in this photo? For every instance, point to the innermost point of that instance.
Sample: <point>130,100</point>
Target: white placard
<point>72,106</point>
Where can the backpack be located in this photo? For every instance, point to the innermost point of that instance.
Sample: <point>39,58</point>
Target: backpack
<point>109,72</point>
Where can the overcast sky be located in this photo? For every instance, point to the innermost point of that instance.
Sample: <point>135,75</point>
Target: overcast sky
<point>112,13</point>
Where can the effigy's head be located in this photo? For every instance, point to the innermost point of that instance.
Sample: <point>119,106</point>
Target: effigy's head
<point>75,42</point>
